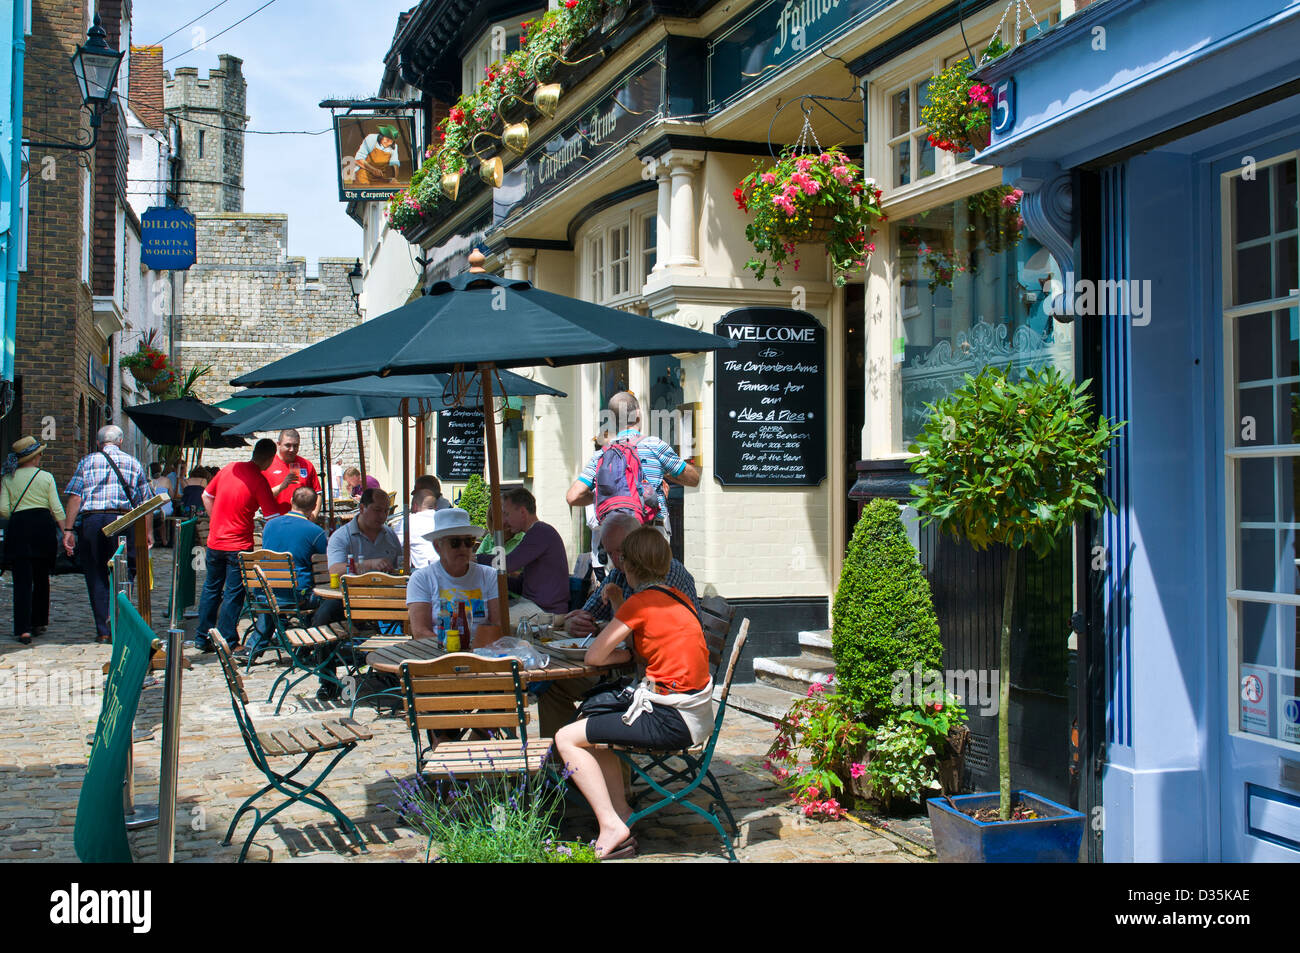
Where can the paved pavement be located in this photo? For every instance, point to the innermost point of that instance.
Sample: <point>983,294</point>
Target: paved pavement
<point>52,691</point>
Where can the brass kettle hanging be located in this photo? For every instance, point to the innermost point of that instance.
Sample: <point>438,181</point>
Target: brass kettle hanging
<point>546,99</point>
<point>450,185</point>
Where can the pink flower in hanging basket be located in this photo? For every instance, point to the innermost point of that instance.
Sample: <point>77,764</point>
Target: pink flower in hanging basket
<point>803,165</point>
<point>768,178</point>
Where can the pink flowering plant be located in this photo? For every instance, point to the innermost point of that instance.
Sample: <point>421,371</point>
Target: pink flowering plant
<point>792,201</point>
<point>958,109</point>
<point>825,725</point>
<point>477,111</point>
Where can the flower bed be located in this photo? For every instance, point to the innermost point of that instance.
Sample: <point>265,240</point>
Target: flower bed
<point>814,198</point>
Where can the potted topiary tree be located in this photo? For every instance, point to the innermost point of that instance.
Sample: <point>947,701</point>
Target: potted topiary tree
<point>474,500</point>
<point>1016,464</point>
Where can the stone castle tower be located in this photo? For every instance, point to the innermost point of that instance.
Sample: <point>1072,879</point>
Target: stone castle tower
<point>212,119</point>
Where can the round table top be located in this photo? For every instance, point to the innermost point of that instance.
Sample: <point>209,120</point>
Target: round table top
<point>325,592</point>
<point>390,658</point>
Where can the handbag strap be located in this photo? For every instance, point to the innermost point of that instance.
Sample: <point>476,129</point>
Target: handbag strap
<point>673,593</point>
<point>26,488</point>
<point>120,479</point>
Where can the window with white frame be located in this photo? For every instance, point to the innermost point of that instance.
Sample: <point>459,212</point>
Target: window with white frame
<point>492,46</point>
<point>618,252</point>
<point>912,156</point>
<point>1261,315</point>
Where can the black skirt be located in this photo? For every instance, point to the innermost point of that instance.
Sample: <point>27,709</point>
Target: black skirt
<point>31,534</point>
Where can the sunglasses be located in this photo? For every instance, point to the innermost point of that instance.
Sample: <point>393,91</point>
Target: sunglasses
<point>456,542</point>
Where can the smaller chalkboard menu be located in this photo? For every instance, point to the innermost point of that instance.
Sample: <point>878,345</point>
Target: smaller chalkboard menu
<point>770,399</point>
<point>460,444</point>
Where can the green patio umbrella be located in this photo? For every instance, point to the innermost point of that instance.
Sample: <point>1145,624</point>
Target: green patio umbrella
<point>471,326</point>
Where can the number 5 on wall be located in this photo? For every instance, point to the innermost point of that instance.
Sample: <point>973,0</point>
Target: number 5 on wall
<point>1004,106</point>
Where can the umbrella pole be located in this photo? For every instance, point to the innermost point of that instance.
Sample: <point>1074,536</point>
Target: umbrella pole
<point>406,485</point>
<point>329,497</point>
<point>419,444</point>
<point>361,452</point>
<point>324,472</point>
<point>494,479</point>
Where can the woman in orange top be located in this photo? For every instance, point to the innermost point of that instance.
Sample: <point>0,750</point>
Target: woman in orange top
<point>671,709</point>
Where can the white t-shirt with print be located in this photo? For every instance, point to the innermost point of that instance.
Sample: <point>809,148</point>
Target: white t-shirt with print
<point>432,584</point>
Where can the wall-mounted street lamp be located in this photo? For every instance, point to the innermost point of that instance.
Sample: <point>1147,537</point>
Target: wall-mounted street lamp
<point>95,65</point>
<point>357,283</point>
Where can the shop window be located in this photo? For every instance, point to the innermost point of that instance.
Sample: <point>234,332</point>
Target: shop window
<point>973,291</point>
<point>613,378</point>
<point>618,253</point>
<point>1262,377</point>
<point>649,242</point>
<point>666,396</point>
<point>913,158</point>
<point>484,52</point>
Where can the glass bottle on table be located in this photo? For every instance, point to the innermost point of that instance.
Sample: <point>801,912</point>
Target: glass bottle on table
<point>452,641</point>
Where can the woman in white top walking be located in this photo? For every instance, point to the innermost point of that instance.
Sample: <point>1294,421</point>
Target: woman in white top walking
<point>30,498</point>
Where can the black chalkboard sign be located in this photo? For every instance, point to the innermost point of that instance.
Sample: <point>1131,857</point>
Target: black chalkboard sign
<point>460,444</point>
<point>769,420</point>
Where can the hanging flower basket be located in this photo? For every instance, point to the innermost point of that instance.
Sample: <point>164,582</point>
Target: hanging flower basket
<point>811,198</point>
<point>958,112</point>
<point>146,362</point>
<point>143,374</point>
<point>162,382</point>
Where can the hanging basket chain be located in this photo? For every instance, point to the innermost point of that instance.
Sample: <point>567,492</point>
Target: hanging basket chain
<point>997,33</point>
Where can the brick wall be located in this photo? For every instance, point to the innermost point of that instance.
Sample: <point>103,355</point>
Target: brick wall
<point>111,157</point>
<point>146,93</point>
<point>247,304</point>
<point>55,330</point>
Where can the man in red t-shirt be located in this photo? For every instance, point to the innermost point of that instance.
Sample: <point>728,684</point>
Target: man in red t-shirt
<point>231,498</point>
<point>288,463</point>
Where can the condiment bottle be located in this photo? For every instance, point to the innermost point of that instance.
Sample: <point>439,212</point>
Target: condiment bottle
<point>453,640</point>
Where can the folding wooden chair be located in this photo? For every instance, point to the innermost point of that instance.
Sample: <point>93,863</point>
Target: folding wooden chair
<point>281,573</point>
<point>372,600</point>
<point>337,735</point>
<point>312,649</point>
<point>463,691</point>
<point>696,760</point>
<point>320,569</point>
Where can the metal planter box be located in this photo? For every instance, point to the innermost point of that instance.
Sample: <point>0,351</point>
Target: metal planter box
<point>1053,837</point>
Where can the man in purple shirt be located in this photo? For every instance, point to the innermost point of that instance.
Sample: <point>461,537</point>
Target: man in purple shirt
<point>538,565</point>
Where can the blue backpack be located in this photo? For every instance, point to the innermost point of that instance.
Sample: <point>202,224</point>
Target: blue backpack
<point>621,485</point>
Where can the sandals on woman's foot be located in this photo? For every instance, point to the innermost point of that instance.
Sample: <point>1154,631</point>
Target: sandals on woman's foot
<point>623,851</point>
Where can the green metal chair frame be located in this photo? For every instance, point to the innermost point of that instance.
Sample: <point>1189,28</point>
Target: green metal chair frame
<point>324,641</point>
<point>715,620</point>
<point>339,735</point>
<point>279,569</point>
<point>695,772</point>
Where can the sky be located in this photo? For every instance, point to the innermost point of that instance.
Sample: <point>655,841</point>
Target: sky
<point>295,53</point>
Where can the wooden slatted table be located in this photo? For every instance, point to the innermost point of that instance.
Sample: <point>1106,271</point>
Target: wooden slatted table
<point>389,661</point>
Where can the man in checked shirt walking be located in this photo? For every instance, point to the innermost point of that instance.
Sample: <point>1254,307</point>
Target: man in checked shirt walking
<point>108,483</point>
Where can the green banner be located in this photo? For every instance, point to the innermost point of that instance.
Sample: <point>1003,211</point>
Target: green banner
<point>100,832</point>
<point>183,586</point>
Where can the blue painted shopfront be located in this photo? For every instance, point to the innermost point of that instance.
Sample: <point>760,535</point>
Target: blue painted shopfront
<point>1163,135</point>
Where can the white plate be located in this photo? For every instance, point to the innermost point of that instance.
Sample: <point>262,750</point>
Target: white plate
<point>571,648</point>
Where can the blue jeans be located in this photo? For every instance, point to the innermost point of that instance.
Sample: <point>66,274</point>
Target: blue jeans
<point>223,587</point>
<point>262,631</point>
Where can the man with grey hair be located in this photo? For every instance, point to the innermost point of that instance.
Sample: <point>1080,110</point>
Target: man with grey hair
<point>106,484</point>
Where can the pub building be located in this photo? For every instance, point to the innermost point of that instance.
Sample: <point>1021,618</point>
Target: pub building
<point>624,197</point>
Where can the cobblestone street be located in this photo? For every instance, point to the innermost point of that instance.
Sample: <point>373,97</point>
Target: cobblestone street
<point>51,691</point>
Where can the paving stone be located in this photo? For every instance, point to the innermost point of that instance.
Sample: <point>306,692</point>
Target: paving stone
<point>43,752</point>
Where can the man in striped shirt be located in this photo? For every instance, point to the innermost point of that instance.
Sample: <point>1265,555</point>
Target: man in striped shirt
<point>659,461</point>
<point>106,484</point>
